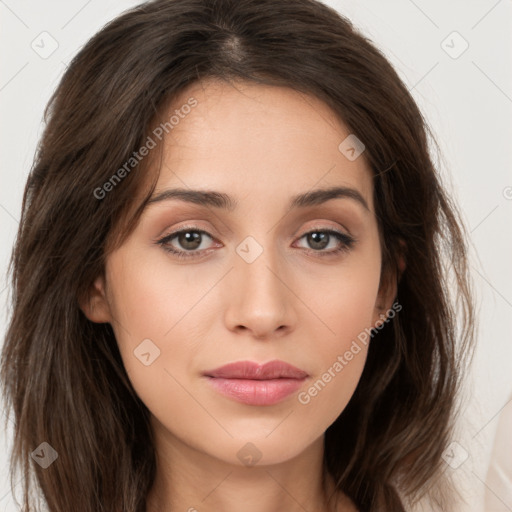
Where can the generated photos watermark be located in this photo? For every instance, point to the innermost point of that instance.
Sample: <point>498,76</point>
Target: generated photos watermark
<point>137,156</point>
<point>343,360</point>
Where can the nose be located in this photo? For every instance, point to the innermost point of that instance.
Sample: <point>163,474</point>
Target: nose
<point>261,301</point>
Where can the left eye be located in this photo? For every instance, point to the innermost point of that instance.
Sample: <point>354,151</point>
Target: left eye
<point>320,239</point>
<point>190,240</point>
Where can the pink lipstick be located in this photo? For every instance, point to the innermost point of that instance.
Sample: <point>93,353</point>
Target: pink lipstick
<point>255,384</point>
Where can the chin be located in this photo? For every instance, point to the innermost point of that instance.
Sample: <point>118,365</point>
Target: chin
<point>251,449</point>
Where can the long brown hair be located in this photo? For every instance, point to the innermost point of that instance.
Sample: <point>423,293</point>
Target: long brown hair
<point>63,376</point>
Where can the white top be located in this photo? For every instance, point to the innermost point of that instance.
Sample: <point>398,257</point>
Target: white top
<point>498,490</point>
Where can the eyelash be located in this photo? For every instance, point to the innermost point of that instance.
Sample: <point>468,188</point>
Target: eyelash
<point>347,242</point>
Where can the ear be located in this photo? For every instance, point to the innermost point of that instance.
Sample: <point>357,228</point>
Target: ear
<point>388,289</point>
<point>94,304</point>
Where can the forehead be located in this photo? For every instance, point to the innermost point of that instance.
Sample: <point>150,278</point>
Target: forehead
<point>251,139</point>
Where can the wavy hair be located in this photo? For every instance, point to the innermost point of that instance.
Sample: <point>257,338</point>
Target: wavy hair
<point>62,375</point>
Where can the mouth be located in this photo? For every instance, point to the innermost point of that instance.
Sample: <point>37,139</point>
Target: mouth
<point>255,384</point>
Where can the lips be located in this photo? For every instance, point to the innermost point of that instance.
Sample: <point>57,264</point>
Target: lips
<point>255,384</point>
<point>249,370</point>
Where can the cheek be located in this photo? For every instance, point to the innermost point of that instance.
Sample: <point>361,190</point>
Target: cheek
<point>329,392</point>
<point>340,360</point>
<point>347,306</point>
<point>150,299</point>
<point>156,310</point>
<point>345,300</point>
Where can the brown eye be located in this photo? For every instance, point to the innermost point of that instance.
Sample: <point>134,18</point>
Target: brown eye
<point>189,240</point>
<point>185,243</point>
<point>319,239</point>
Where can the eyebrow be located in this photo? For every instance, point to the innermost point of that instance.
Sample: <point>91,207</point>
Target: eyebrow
<point>224,201</point>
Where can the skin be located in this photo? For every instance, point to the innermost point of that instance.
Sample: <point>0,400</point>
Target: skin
<point>261,145</point>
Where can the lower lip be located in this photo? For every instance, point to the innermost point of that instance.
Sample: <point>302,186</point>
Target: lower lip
<point>256,392</point>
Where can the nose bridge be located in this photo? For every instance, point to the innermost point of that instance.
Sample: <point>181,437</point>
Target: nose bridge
<point>260,301</point>
<point>257,267</point>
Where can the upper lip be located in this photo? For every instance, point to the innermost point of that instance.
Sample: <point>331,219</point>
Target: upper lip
<point>255,371</point>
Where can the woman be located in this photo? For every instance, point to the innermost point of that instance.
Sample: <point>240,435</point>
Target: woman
<point>231,273</point>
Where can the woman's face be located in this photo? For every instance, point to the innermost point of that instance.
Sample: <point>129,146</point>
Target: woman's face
<point>265,280</point>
